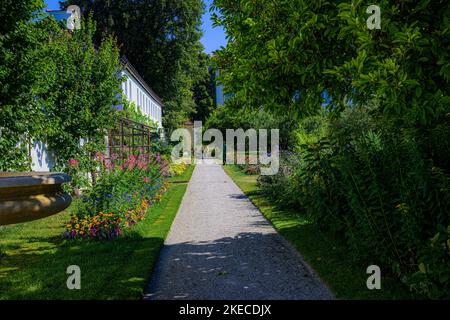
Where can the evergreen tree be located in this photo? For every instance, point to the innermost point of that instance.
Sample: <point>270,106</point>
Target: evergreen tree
<point>21,70</point>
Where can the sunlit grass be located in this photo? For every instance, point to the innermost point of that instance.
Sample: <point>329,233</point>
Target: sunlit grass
<point>34,257</point>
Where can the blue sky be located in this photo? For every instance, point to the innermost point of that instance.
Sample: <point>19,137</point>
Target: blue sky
<point>213,38</point>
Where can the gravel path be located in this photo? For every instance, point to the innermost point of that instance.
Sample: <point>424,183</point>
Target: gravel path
<point>221,247</point>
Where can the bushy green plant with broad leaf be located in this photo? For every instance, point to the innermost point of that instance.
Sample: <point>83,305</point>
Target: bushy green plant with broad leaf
<point>381,187</point>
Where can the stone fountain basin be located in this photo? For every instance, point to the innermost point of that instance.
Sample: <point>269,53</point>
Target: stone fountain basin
<point>31,195</point>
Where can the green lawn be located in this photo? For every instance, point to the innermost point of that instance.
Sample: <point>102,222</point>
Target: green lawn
<point>184,177</point>
<point>326,254</point>
<point>34,258</point>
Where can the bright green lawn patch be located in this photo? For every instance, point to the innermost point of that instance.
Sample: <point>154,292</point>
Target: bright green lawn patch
<point>184,177</point>
<point>34,258</point>
<point>326,254</point>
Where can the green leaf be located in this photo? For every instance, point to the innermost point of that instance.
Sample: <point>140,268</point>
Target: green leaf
<point>435,238</point>
<point>422,268</point>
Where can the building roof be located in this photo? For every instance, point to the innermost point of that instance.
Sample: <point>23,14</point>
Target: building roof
<point>133,71</point>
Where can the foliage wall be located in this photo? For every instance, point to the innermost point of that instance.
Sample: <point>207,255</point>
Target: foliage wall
<point>20,67</point>
<point>58,86</point>
<point>162,40</point>
<point>285,53</point>
<point>372,163</point>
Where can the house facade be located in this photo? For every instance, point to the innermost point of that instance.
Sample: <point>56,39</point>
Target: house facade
<point>136,90</point>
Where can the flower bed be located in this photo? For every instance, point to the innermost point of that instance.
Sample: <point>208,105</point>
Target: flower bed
<point>121,197</point>
<point>177,169</point>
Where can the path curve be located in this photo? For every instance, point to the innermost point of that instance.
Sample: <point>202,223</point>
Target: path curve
<point>220,247</point>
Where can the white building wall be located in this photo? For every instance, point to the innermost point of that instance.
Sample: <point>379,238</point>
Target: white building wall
<point>41,158</point>
<point>136,93</point>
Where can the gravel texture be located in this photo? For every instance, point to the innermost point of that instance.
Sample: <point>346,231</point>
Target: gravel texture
<point>221,247</point>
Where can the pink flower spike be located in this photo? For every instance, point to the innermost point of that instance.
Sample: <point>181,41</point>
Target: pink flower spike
<point>73,162</point>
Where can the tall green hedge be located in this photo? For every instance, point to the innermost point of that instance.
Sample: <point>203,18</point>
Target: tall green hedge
<point>56,86</point>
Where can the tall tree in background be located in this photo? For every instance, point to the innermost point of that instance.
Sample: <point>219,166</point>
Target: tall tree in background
<point>84,87</point>
<point>285,53</point>
<point>162,40</point>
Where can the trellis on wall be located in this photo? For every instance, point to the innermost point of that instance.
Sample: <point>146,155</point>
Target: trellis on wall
<point>129,137</point>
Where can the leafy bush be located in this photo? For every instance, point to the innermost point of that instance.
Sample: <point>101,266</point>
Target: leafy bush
<point>131,111</point>
<point>249,168</point>
<point>162,147</point>
<point>234,115</point>
<point>120,198</point>
<point>382,186</point>
<point>434,265</point>
<point>279,187</point>
<point>57,86</point>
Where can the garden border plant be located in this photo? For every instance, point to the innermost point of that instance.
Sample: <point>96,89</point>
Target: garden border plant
<point>121,196</point>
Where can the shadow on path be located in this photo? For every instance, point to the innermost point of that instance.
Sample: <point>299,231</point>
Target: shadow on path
<point>249,266</point>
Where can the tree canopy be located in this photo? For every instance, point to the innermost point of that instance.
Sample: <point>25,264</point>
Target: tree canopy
<point>285,54</point>
<point>161,38</point>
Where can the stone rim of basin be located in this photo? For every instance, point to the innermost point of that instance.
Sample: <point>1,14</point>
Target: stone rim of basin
<point>19,179</point>
<point>27,196</point>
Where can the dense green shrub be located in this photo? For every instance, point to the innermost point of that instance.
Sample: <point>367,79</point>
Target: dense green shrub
<point>384,187</point>
<point>285,53</point>
<point>57,86</point>
<point>279,187</point>
<point>234,115</point>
